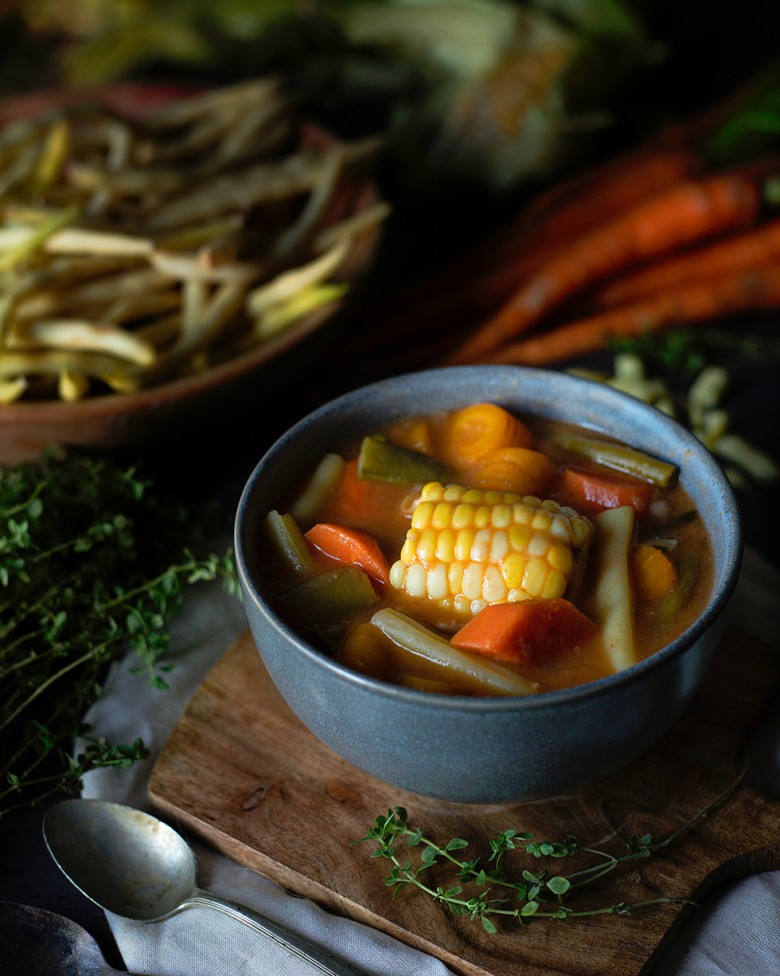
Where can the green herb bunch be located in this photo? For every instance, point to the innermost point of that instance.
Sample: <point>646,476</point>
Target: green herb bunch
<point>94,562</point>
<point>488,893</point>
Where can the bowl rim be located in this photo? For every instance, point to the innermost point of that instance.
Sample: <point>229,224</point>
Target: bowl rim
<point>732,544</point>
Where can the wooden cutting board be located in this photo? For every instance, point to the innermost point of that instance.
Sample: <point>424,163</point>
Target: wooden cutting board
<point>241,773</point>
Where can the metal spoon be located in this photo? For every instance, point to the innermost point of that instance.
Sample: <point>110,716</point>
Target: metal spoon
<point>39,943</point>
<point>134,865</point>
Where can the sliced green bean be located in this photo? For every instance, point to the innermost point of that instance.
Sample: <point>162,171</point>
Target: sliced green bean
<point>324,602</point>
<point>471,672</point>
<point>289,543</point>
<point>381,460</point>
<point>326,477</point>
<point>618,456</point>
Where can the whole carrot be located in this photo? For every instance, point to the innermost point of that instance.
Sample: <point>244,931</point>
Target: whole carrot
<point>749,249</point>
<point>753,289</point>
<point>479,280</point>
<point>685,214</point>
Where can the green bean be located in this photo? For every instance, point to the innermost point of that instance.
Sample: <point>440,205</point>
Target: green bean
<point>289,283</point>
<point>36,239</point>
<point>289,543</point>
<point>148,226</point>
<point>622,458</point>
<point>434,654</point>
<point>325,601</point>
<point>380,460</point>
<point>73,334</point>
<point>327,475</point>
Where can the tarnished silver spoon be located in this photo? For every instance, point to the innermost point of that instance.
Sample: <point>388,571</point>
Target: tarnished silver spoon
<point>39,943</point>
<point>134,865</point>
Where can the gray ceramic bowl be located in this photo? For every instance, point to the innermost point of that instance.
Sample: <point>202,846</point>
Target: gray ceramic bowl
<point>493,750</point>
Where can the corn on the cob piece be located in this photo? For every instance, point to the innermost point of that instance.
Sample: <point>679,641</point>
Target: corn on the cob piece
<point>467,548</point>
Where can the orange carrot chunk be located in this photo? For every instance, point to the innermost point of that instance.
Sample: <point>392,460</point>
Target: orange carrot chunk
<point>351,546</point>
<point>530,632</point>
<point>516,469</point>
<point>653,573</point>
<point>590,493</point>
<point>474,431</point>
<point>358,500</point>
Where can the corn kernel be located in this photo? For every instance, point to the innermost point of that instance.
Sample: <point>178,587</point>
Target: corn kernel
<point>560,558</point>
<point>580,530</point>
<point>538,544</point>
<point>534,576</point>
<point>452,493</point>
<point>462,605</point>
<point>462,516</point>
<point>442,516</point>
<point>472,581</point>
<point>522,514</point>
<point>560,527</point>
<point>480,547</point>
<point>455,577</point>
<point>426,545</point>
<point>519,537</point>
<point>554,585</point>
<point>422,515</point>
<point>409,549</point>
<point>463,544</point>
<point>541,521</point>
<point>433,492</point>
<point>493,588</point>
<point>416,579</point>
<point>482,516</point>
<point>437,582</point>
<point>499,547</point>
<point>398,574</point>
<point>445,546</point>
<point>512,569</point>
<point>502,515</point>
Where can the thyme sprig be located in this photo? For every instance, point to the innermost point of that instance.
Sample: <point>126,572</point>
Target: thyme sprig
<point>487,891</point>
<point>94,562</point>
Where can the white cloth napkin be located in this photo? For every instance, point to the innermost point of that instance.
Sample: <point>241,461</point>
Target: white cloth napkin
<point>739,935</point>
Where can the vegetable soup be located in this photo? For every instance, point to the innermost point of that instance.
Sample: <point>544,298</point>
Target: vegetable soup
<point>482,553</point>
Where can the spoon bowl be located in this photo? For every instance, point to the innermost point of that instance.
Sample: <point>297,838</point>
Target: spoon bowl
<point>153,869</point>
<point>133,865</point>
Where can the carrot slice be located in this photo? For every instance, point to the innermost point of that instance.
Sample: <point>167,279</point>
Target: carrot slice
<point>528,632</point>
<point>653,572</point>
<point>351,546</point>
<point>590,493</point>
<point>474,431</point>
<point>516,469</point>
<point>360,501</point>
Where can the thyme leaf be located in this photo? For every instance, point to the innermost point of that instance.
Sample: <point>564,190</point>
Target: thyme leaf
<point>543,892</point>
<point>95,560</point>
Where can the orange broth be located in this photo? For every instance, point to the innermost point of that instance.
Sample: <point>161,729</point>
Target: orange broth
<point>670,522</point>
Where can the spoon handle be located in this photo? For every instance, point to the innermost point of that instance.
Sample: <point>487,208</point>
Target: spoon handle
<point>318,956</point>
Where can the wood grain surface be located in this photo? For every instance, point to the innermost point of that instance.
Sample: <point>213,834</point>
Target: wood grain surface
<point>243,774</point>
